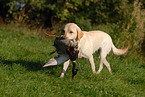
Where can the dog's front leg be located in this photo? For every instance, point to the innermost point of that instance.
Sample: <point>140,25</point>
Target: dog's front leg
<point>65,66</point>
<point>91,59</point>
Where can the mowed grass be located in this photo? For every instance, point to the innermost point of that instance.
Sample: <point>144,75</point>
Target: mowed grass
<point>23,52</point>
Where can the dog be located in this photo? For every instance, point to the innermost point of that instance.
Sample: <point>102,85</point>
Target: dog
<point>89,42</point>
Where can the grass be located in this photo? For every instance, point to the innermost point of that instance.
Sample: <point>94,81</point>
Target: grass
<point>23,52</point>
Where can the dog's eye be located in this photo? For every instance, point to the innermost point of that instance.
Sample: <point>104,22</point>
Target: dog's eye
<point>70,32</point>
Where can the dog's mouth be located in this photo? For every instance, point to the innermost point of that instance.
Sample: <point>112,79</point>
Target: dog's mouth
<point>70,37</point>
<point>63,36</point>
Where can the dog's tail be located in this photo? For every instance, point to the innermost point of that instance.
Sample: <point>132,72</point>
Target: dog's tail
<point>119,51</point>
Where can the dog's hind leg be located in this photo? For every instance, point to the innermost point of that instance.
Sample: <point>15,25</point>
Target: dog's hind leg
<point>103,60</point>
<point>101,67</point>
<point>65,66</point>
<point>107,65</point>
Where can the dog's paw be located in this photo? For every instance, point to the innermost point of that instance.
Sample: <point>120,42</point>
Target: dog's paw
<point>96,72</point>
<point>62,75</point>
<point>111,72</point>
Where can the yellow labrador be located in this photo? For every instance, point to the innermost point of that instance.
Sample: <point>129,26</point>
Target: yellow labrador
<point>92,41</point>
<point>89,42</point>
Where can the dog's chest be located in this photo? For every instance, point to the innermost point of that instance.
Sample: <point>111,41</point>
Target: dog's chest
<point>85,47</point>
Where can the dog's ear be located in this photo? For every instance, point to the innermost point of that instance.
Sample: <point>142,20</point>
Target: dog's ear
<point>80,34</point>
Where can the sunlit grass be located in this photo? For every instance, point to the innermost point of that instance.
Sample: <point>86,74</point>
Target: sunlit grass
<point>23,53</point>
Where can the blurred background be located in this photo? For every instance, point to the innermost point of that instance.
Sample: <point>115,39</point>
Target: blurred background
<point>124,18</point>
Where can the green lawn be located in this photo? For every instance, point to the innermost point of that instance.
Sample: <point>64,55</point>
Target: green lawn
<point>23,52</point>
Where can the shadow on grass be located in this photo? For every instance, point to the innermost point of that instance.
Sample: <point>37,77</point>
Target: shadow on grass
<point>31,66</point>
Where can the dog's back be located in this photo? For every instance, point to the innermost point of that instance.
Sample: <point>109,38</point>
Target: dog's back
<point>99,40</point>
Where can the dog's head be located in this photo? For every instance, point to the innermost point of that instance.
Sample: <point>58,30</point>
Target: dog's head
<point>72,31</point>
